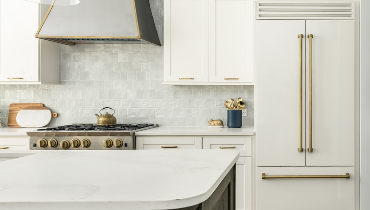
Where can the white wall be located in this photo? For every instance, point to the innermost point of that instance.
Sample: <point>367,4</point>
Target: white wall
<point>365,106</point>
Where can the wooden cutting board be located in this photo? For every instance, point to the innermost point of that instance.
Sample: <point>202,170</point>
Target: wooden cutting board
<point>15,108</point>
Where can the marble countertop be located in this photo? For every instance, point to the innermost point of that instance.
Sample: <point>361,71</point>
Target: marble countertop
<point>146,179</point>
<point>197,131</point>
<point>15,131</point>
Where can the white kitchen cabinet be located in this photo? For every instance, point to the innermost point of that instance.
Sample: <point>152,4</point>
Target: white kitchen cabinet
<point>305,193</point>
<point>243,166</point>
<point>231,41</point>
<point>282,92</point>
<point>25,59</point>
<point>14,142</point>
<point>212,46</point>
<point>168,142</point>
<point>186,40</point>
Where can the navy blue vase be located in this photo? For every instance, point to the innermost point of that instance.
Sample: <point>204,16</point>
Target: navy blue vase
<point>234,118</point>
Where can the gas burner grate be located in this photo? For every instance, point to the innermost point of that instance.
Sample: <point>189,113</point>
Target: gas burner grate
<point>92,127</point>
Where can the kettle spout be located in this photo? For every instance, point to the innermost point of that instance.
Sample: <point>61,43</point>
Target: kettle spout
<point>97,116</point>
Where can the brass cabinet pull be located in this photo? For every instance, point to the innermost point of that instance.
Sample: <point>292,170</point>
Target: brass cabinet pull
<point>14,78</point>
<point>310,149</point>
<point>300,36</point>
<point>167,147</point>
<point>4,147</point>
<point>231,78</point>
<point>264,176</point>
<point>227,147</point>
<point>186,78</point>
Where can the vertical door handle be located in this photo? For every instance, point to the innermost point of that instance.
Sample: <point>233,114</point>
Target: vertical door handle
<point>310,149</point>
<point>300,36</point>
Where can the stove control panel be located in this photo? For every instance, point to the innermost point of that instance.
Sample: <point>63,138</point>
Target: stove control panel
<point>82,143</point>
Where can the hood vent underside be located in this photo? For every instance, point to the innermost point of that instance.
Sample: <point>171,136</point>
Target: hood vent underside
<point>100,22</point>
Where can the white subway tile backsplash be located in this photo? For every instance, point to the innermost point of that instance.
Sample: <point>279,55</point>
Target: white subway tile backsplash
<point>126,77</point>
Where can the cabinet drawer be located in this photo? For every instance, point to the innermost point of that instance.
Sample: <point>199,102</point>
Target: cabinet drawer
<point>168,142</point>
<point>305,193</point>
<point>243,144</point>
<point>14,142</point>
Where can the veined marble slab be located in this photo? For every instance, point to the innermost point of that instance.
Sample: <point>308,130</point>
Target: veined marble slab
<point>97,180</point>
<point>197,131</point>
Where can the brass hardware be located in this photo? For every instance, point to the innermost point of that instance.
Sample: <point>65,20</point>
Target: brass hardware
<point>86,143</point>
<point>54,114</point>
<point>14,78</point>
<point>46,16</point>
<point>4,147</point>
<point>300,36</point>
<point>231,78</point>
<point>117,143</point>
<point>64,144</point>
<point>137,23</point>
<point>43,143</point>
<point>216,123</point>
<point>75,143</point>
<point>310,149</point>
<point>167,147</point>
<point>227,147</point>
<point>106,119</point>
<point>264,176</point>
<point>186,78</point>
<point>53,143</point>
<point>108,143</point>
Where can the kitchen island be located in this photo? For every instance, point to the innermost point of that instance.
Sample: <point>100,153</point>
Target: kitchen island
<point>190,179</point>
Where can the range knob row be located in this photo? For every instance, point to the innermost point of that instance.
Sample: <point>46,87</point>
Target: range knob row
<point>108,143</point>
<point>64,144</point>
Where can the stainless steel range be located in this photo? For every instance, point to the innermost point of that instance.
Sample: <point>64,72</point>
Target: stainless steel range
<point>86,137</point>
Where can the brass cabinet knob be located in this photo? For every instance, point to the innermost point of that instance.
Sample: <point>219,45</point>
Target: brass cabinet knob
<point>65,144</point>
<point>117,143</point>
<point>53,143</point>
<point>43,143</point>
<point>86,143</point>
<point>108,143</point>
<point>75,143</point>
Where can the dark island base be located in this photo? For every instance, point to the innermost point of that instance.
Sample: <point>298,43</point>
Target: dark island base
<point>223,198</point>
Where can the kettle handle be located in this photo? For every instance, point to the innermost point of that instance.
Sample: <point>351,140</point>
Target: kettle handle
<point>114,111</point>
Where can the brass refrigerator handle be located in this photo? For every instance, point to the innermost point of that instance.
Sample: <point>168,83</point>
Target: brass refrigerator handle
<point>264,176</point>
<point>227,147</point>
<point>300,149</point>
<point>167,147</point>
<point>310,149</point>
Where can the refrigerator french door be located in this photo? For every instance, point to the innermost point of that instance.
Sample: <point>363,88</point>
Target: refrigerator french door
<point>305,92</point>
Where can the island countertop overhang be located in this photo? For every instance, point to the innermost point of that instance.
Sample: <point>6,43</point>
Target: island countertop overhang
<point>113,179</point>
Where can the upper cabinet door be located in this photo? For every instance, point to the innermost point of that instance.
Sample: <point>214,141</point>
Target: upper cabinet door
<point>278,92</point>
<point>333,92</point>
<point>231,41</point>
<point>19,50</point>
<point>186,40</point>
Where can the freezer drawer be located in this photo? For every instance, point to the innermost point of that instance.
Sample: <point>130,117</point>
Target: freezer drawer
<point>305,193</point>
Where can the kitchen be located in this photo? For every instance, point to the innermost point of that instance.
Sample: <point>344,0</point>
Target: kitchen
<point>183,83</point>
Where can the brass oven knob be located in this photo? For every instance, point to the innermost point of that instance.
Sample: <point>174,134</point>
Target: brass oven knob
<point>118,143</point>
<point>75,143</point>
<point>53,143</point>
<point>86,143</point>
<point>42,143</point>
<point>65,144</point>
<point>108,143</point>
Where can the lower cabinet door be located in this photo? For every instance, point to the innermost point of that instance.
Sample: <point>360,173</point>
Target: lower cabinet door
<point>243,183</point>
<point>14,143</point>
<point>305,193</point>
<point>168,142</point>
